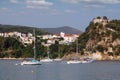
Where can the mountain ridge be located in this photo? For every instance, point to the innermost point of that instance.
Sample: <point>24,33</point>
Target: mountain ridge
<point>66,29</point>
<point>19,28</point>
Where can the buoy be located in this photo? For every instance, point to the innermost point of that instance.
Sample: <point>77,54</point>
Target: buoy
<point>32,71</point>
<point>16,64</point>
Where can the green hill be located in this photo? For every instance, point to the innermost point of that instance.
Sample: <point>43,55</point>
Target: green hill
<point>101,37</point>
<point>23,29</point>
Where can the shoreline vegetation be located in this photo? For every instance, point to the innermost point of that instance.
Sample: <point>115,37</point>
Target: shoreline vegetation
<point>68,57</point>
<point>63,60</point>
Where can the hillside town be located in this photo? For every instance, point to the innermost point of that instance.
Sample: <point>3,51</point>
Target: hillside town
<point>28,38</point>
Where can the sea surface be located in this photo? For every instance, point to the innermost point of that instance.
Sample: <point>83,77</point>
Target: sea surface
<point>97,70</point>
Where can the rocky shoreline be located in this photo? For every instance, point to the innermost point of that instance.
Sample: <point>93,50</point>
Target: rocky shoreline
<point>78,56</point>
<point>94,56</point>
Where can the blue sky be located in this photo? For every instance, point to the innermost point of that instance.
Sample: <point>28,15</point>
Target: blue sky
<point>56,13</point>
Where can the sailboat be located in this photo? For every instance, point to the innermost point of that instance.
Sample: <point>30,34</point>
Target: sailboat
<point>33,61</point>
<point>48,58</point>
<point>75,61</point>
<point>88,59</point>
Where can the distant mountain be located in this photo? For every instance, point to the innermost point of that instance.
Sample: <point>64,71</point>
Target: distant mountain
<point>23,29</point>
<point>26,29</point>
<point>66,29</point>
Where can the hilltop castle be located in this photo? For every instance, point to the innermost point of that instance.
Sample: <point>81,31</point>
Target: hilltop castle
<point>104,20</point>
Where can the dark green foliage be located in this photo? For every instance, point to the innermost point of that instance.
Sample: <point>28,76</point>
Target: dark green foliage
<point>82,41</point>
<point>115,36</point>
<point>28,51</point>
<point>104,17</point>
<point>110,53</point>
<point>98,17</point>
<point>108,32</point>
<point>100,48</point>
<point>114,24</point>
<point>59,50</point>
<point>96,24</point>
<point>100,26</point>
<point>10,47</point>
<point>117,50</point>
<point>54,55</point>
<point>91,26</point>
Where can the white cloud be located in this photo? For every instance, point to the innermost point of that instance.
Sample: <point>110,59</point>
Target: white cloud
<point>38,3</point>
<point>93,6</point>
<point>4,10</point>
<point>92,1</point>
<point>36,7</point>
<point>71,1</point>
<point>69,11</point>
<point>14,1</point>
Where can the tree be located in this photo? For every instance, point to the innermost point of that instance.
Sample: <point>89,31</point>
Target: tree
<point>104,17</point>
<point>98,17</point>
<point>100,48</point>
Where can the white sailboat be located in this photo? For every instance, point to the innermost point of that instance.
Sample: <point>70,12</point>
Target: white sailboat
<point>34,61</point>
<point>57,59</point>
<point>48,58</point>
<point>88,59</point>
<point>74,61</point>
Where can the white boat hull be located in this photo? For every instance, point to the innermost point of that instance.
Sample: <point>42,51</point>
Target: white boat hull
<point>77,62</point>
<point>57,59</point>
<point>89,61</point>
<point>46,60</point>
<point>73,62</point>
<point>30,63</point>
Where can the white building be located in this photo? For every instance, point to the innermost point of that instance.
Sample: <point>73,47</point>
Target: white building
<point>1,34</point>
<point>70,38</point>
<point>62,34</point>
<point>30,35</point>
<point>46,36</point>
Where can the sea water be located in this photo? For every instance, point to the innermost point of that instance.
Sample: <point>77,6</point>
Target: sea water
<point>97,70</point>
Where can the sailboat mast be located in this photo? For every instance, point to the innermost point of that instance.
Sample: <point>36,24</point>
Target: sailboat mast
<point>34,45</point>
<point>48,52</point>
<point>76,46</point>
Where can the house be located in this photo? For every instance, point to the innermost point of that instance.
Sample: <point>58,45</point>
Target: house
<point>46,36</point>
<point>70,38</point>
<point>56,36</point>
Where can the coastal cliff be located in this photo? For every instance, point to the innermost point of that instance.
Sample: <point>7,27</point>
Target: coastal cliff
<point>101,39</point>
